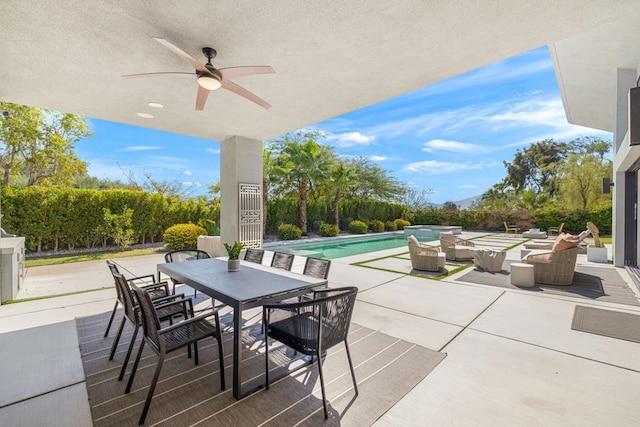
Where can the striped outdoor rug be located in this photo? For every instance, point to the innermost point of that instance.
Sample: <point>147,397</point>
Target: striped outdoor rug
<point>386,369</point>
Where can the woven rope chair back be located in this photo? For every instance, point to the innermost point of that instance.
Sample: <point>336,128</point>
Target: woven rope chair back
<point>282,260</point>
<point>254,255</point>
<point>127,300</point>
<point>150,321</point>
<point>185,255</point>
<point>114,272</point>
<point>335,312</point>
<point>316,267</point>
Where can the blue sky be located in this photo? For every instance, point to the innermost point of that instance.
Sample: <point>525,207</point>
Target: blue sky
<point>451,137</point>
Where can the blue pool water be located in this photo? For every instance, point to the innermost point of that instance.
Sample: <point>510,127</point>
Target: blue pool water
<point>341,247</point>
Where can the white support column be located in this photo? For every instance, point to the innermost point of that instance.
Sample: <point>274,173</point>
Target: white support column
<point>240,162</point>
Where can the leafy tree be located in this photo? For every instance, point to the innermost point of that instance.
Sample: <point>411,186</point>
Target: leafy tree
<point>536,166</point>
<point>38,144</point>
<point>581,180</point>
<point>450,206</point>
<point>376,182</point>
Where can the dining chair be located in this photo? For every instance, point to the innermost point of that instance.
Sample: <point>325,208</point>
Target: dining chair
<point>171,338</point>
<point>312,327</point>
<point>132,314</point>
<point>282,260</point>
<point>317,267</point>
<point>180,256</point>
<point>254,255</point>
<point>157,289</point>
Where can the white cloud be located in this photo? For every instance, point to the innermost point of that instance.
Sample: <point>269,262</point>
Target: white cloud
<point>436,167</point>
<point>212,150</point>
<point>350,139</point>
<point>455,146</point>
<point>186,172</point>
<point>375,158</point>
<point>142,148</point>
<point>191,184</point>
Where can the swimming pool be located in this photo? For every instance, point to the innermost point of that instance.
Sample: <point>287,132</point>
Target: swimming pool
<point>342,246</point>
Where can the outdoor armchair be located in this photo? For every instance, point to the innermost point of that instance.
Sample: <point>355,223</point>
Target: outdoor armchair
<point>555,267</point>
<point>455,248</point>
<point>171,338</point>
<point>511,227</point>
<point>312,327</point>
<point>183,255</point>
<point>132,314</point>
<point>556,230</point>
<point>424,257</point>
<point>157,289</point>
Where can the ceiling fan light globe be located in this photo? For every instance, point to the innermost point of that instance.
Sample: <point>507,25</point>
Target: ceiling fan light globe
<point>209,82</point>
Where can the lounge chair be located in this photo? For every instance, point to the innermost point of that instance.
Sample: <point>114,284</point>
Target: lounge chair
<point>424,257</point>
<point>455,248</point>
<point>511,227</point>
<point>556,230</point>
<point>548,244</point>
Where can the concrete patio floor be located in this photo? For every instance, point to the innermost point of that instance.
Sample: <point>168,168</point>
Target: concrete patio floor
<point>512,358</point>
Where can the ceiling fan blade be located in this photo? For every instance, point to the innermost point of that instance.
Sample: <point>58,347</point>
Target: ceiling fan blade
<point>182,54</point>
<point>233,72</point>
<point>239,90</point>
<point>201,98</point>
<point>157,74</point>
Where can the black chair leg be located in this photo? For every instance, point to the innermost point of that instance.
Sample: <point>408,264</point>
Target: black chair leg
<point>195,350</point>
<point>126,358</point>
<point>220,355</point>
<point>116,340</point>
<point>113,314</point>
<point>353,374</point>
<point>152,389</point>
<point>135,367</point>
<point>324,397</point>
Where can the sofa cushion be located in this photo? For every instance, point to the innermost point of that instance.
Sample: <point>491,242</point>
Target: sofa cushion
<point>565,241</point>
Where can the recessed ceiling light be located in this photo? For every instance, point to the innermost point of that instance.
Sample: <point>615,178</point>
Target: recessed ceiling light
<point>145,115</point>
<point>155,105</point>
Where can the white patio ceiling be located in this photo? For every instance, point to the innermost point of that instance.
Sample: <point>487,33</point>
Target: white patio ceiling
<point>330,57</point>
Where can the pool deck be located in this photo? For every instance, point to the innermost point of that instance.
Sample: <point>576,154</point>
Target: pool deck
<point>512,357</point>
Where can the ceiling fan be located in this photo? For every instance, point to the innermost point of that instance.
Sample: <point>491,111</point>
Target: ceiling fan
<point>210,78</point>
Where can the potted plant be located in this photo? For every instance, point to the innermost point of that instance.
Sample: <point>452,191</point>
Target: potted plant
<point>233,264</point>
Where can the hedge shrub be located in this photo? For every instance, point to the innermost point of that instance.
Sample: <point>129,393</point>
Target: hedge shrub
<point>376,225</point>
<point>289,232</point>
<point>390,226</point>
<point>182,236</point>
<point>328,230</point>
<point>401,223</point>
<point>358,227</point>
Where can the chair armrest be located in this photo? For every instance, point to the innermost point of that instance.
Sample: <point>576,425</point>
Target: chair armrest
<point>146,276</point>
<point>540,257</point>
<point>158,301</point>
<point>154,286</point>
<point>198,318</point>
<point>183,301</point>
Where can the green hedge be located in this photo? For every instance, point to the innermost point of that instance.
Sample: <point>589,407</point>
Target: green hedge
<point>53,218</point>
<point>289,232</point>
<point>182,236</point>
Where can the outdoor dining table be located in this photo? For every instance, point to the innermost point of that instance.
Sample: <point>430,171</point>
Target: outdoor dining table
<point>252,286</point>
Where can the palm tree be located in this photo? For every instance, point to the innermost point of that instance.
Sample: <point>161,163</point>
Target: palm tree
<point>302,161</point>
<point>343,177</point>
